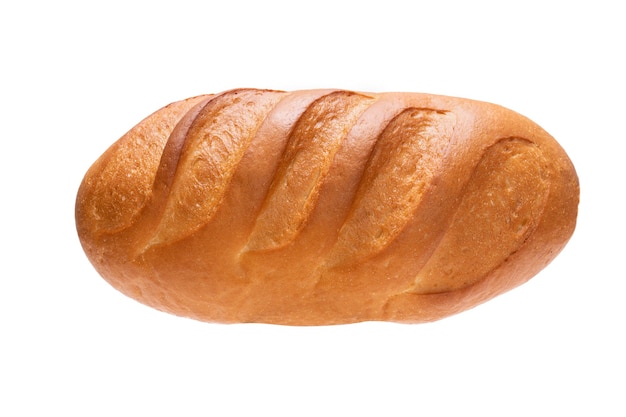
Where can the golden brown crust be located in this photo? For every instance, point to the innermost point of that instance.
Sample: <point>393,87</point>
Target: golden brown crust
<point>326,206</point>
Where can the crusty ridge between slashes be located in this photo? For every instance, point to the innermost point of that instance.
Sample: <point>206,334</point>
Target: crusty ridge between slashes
<point>404,160</point>
<point>212,146</point>
<point>308,156</point>
<point>497,203</point>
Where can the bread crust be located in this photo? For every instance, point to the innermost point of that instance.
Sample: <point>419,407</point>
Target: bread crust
<point>320,207</point>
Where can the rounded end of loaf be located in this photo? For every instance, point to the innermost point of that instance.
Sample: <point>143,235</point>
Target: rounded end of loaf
<point>326,207</point>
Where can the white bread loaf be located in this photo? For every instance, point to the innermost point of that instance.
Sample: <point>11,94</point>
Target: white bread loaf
<point>326,206</point>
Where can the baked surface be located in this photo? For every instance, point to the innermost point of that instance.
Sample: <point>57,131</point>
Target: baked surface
<point>326,206</point>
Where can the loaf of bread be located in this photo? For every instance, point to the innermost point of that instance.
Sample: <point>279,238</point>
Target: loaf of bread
<point>326,206</point>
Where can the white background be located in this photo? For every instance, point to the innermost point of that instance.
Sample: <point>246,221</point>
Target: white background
<point>75,76</point>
